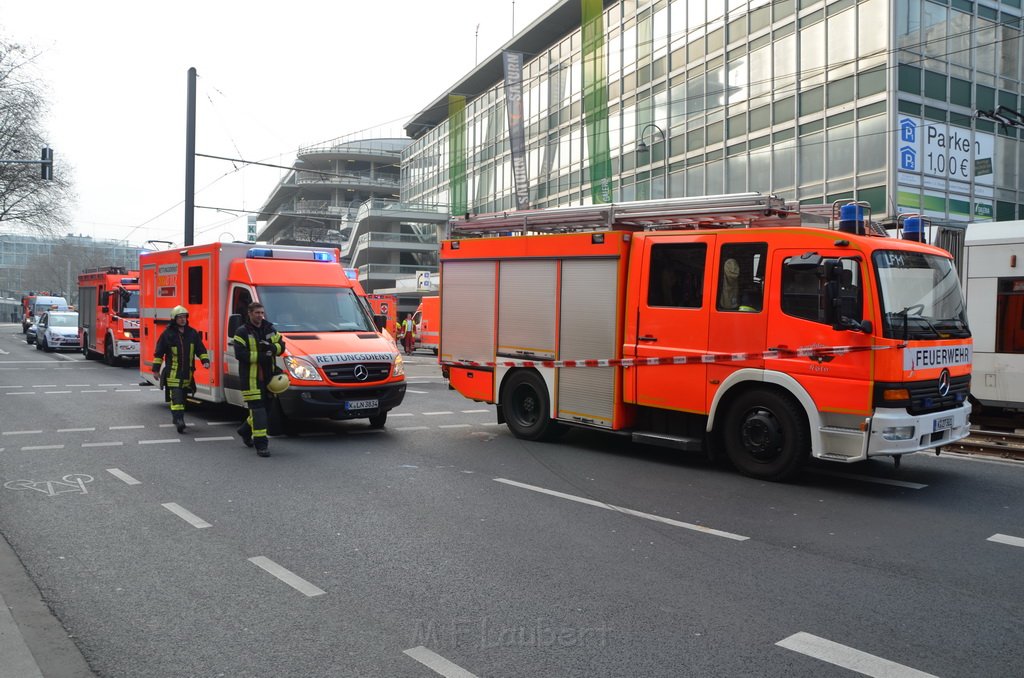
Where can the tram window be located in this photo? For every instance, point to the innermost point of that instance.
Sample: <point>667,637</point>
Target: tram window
<point>1010,316</point>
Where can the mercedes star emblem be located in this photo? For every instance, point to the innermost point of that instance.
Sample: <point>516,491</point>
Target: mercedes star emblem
<point>361,373</point>
<point>944,383</point>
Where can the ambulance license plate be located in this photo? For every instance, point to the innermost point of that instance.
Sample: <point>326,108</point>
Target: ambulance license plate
<point>942,423</point>
<point>361,404</point>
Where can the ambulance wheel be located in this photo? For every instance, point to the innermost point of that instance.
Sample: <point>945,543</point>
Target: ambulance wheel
<point>378,420</point>
<point>766,435</point>
<point>526,407</point>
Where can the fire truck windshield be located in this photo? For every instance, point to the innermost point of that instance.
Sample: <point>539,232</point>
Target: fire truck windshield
<point>130,304</point>
<point>921,296</point>
<point>315,309</point>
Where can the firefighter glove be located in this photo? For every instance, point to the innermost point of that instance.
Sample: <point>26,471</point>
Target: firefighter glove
<point>206,364</point>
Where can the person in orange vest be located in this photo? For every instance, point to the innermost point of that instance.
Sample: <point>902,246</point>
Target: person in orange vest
<point>179,347</point>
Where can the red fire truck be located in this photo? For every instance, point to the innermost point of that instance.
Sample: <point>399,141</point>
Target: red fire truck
<point>108,313</point>
<point>719,324</point>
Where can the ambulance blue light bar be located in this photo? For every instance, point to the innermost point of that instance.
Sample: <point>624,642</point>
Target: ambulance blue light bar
<point>294,255</point>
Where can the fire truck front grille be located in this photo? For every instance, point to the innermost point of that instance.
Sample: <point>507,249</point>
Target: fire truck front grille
<point>351,373</point>
<point>925,396</point>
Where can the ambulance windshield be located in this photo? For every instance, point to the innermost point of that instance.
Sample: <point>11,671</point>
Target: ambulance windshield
<point>921,296</point>
<point>315,309</point>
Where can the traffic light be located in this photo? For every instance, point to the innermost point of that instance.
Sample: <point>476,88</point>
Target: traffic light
<point>47,163</point>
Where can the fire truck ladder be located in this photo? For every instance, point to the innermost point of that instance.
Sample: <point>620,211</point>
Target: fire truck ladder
<point>715,211</point>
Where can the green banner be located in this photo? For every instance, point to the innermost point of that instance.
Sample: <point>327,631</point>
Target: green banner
<point>595,100</point>
<point>458,194</point>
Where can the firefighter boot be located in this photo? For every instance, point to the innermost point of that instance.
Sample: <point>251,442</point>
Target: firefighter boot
<point>179,421</point>
<point>261,446</point>
<point>245,434</point>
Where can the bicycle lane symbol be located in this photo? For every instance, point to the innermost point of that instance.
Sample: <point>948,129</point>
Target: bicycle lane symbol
<point>74,482</point>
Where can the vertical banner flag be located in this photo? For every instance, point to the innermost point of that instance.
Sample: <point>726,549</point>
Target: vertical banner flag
<point>516,130</point>
<point>595,100</point>
<point>458,194</point>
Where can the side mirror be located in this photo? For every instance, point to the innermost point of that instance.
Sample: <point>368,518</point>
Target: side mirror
<point>234,321</point>
<point>380,322</point>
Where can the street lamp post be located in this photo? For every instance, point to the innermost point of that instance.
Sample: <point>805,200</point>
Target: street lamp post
<point>643,149</point>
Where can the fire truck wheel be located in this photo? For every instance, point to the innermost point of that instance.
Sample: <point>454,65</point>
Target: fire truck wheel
<point>526,407</point>
<point>108,352</point>
<point>766,435</point>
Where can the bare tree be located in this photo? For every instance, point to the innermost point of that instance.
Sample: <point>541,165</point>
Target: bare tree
<point>58,271</point>
<point>41,205</point>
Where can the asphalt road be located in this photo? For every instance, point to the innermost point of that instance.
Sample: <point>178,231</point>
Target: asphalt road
<point>444,546</point>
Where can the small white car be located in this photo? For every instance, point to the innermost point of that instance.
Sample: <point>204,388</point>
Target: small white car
<point>58,331</point>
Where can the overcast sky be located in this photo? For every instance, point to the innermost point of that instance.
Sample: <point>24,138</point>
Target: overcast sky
<point>273,76</point>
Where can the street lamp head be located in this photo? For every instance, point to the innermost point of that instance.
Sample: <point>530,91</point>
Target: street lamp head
<point>642,147</point>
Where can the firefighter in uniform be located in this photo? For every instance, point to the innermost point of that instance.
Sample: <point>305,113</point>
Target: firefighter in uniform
<point>178,348</point>
<point>257,344</point>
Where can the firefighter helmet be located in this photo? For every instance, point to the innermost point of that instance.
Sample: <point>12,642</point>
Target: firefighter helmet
<point>278,383</point>
<point>178,310</point>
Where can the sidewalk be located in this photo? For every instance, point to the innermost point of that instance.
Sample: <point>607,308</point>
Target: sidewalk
<point>33,644</point>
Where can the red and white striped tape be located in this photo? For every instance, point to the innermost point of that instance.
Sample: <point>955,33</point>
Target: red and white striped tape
<point>809,352</point>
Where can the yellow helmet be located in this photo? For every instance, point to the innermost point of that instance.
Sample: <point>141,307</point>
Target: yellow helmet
<point>278,383</point>
<point>178,310</point>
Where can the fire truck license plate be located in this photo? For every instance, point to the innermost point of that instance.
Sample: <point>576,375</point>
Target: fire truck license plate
<point>360,404</point>
<point>942,424</point>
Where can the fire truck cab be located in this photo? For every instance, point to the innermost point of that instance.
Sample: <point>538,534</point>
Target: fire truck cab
<point>339,364</point>
<point>108,314</point>
<point>719,324</point>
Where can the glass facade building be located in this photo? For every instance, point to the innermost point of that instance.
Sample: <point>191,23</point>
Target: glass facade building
<point>815,101</point>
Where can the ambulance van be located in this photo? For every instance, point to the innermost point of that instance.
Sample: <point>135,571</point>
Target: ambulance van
<point>339,364</point>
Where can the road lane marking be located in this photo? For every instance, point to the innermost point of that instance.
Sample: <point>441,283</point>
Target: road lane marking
<point>76,385</point>
<point>21,393</point>
<point>125,428</point>
<point>157,442</point>
<point>434,414</point>
<point>42,447</point>
<point>20,433</point>
<point>127,390</point>
<point>400,414</point>
<point>848,658</point>
<point>76,430</point>
<point>44,385</point>
<point>222,423</point>
<point>620,509</point>
<point>54,392</point>
<point>110,384</point>
<point>213,438</point>
<point>186,515</point>
<point>287,576</point>
<point>95,391</point>
<point>417,392</point>
<point>437,663</point>
<point>455,426</point>
<point>1006,539</point>
<point>121,475</point>
<point>867,479</point>
<point>113,443</point>
<point>166,425</point>
<point>474,411</point>
<point>412,428</point>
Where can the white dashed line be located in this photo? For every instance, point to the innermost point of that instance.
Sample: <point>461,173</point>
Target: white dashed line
<point>287,576</point>
<point>1006,539</point>
<point>611,507</point>
<point>212,439</point>
<point>867,479</point>
<point>20,433</point>
<point>186,515</point>
<point>417,392</point>
<point>21,393</point>
<point>435,414</point>
<point>222,423</point>
<point>125,428</point>
<point>848,658</point>
<point>400,414</point>
<point>412,428</point>
<point>127,390</point>
<point>474,411</point>
<point>437,663</point>
<point>76,385</point>
<point>121,475</point>
<point>454,426</point>
<point>54,392</point>
<point>76,430</point>
<point>110,384</point>
<point>42,447</point>
<point>157,442</point>
<point>44,385</point>
<point>113,443</point>
<point>95,391</point>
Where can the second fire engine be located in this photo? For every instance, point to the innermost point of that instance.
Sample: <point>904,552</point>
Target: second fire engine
<point>715,324</point>
<point>108,314</point>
